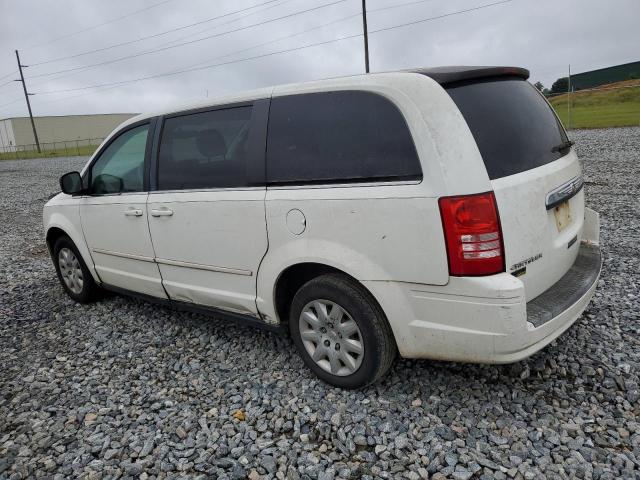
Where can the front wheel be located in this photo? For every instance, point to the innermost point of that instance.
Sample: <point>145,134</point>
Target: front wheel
<point>73,273</point>
<point>341,332</point>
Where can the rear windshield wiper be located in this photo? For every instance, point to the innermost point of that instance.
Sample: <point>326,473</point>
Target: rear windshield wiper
<point>563,146</point>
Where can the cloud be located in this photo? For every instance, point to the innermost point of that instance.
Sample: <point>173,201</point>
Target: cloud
<point>544,36</point>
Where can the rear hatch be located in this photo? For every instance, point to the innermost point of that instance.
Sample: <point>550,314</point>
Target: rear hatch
<point>535,175</point>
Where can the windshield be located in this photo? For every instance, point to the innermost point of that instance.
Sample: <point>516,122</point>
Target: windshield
<point>515,128</point>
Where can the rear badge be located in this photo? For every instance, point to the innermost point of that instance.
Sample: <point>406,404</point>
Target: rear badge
<point>564,192</point>
<point>520,268</point>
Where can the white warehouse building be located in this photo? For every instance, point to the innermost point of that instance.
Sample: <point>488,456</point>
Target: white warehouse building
<point>16,132</point>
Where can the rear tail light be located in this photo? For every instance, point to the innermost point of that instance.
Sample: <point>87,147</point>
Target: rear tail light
<point>473,235</point>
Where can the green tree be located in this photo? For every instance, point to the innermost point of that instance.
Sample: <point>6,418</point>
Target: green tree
<point>561,85</point>
<point>539,86</point>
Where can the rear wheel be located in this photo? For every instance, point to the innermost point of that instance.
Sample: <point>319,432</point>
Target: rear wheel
<point>73,273</point>
<point>341,332</point>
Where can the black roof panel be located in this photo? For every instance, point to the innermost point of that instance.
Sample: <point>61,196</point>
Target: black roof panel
<point>444,75</point>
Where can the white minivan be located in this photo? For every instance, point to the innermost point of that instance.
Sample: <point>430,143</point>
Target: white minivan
<point>435,213</point>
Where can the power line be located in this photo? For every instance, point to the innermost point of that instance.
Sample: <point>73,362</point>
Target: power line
<point>126,57</point>
<point>178,39</point>
<point>200,68</point>
<point>262,44</point>
<point>269,42</point>
<point>225,55</point>
<point>72,70</point>
<point>46,102</point>
<point>6,83</point>
<point>100,24</point>
<point>208,29</point>
<point>183,27</point>
<point>123,82</point>
<point>480,7</point>
<point>355,15</point>
<point>9,75</point>
<point>414,2</point>
<point>165,32</point>
<point>12,102</point>
<point>398,5</point>
<point>282,2</point>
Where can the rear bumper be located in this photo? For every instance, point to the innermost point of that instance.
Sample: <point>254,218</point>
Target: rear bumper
<point>487,319</point>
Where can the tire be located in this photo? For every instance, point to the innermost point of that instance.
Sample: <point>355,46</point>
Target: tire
<point>79,283</point>
<point>374,335</point>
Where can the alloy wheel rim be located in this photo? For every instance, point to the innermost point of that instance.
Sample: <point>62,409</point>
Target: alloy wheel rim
<point>331,337</point>
<point>70,270</point>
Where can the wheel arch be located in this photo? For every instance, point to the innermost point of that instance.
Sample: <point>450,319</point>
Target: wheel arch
<point>295,275</point>
<point>291,279</point>
<point>53,234</point>
<point>57,226</point>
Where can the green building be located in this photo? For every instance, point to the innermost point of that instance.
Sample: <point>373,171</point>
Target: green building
<point>602,76</point>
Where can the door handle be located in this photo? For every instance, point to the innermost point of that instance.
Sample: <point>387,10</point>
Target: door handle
<point>163,212</point>
<point>133,212</point>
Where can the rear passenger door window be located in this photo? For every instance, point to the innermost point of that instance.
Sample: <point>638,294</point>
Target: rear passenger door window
<point>205,150</point>
<point>336,137</point>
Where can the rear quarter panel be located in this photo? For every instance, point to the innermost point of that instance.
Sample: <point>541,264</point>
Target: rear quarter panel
<point>387,233</point>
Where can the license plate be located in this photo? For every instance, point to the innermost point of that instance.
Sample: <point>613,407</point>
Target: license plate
<point>562,213</point>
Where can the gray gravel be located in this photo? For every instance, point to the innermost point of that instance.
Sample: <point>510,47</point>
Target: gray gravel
<point>123,388</point>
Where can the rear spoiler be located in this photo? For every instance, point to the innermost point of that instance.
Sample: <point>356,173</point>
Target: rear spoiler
<point>444,75</point>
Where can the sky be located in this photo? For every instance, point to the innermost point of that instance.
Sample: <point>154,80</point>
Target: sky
<point>58,42</point>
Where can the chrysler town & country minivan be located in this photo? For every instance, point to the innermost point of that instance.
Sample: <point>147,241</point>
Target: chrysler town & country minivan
<point>435,213</point>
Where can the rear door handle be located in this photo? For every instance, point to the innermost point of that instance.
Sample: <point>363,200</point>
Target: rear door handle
<point>133,212</point>
<point>164,212</point>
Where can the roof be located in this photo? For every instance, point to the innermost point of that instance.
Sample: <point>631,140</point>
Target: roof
<point>441,75</point>
<point>243,96</point>
<point>444,75</point>
<point>67,116</point>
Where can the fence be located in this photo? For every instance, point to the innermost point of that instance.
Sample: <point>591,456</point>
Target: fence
<point>62,148</point>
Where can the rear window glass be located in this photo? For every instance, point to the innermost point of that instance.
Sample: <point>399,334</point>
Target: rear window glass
<point>342,136</point>
<point>514,127</point>
<point>204,150</point>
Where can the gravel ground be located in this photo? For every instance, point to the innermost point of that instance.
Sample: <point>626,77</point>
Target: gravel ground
<point>123,388</point>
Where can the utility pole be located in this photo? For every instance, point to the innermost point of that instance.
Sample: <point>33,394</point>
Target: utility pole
<point>366,36</point>
<point>26,97</point>
<point>569,99</point>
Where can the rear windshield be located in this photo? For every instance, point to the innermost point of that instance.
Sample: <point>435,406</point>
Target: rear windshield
<point>514,127</point>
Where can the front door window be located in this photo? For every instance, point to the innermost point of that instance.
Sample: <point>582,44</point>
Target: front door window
<point>120,167</point>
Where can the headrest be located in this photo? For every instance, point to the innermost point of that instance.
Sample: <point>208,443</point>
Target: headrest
<point>211,143</point>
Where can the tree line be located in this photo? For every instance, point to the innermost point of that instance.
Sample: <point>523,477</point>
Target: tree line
<point>561,85</point>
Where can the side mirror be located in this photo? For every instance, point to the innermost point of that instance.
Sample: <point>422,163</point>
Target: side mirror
<point>71,183</point>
